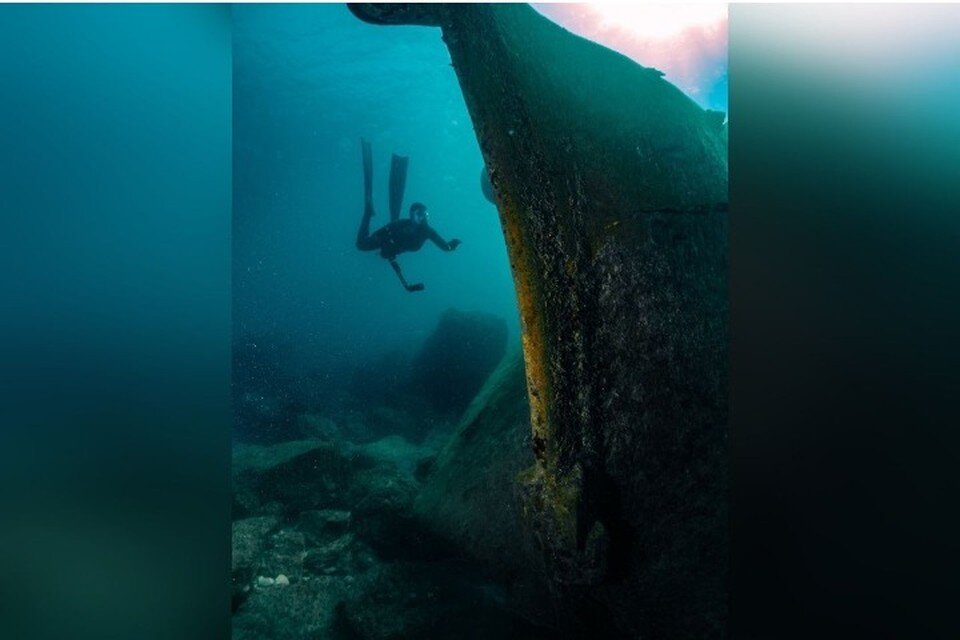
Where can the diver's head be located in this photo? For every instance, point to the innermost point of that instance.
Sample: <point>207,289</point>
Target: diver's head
<point>418,213</point>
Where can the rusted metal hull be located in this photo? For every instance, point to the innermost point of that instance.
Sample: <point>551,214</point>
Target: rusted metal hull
<point>611,186</point>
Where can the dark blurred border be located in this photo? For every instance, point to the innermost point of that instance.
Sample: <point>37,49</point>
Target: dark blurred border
<point>115,187</point>
<point>845,301</point>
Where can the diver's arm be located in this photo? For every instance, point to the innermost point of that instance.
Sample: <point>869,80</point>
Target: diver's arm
<point>440,242</point>
<point>406,285</point>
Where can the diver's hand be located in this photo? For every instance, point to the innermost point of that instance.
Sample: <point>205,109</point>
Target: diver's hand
<point>454,244</point>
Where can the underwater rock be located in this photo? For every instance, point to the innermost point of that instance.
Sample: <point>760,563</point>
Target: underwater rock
<point>295,476</point>
<point>320,526</point>
<point>382,501</point>
<point>303,610</point>
<point>249,537</point>
<point>447,601</point>
<point>457,358</point>
<point>470,496</point>
<point>323,556</point>
<point>345,555</point>
<point>312,425</point>
<point>333,555</point>
<point>402,453</point>
<point>259,458</point>
<point>285,552</point>
<point>611,186</point>
<point>248,541</point>
<point>423,469</point>
<point>380,489</point>
<point>300,602</point>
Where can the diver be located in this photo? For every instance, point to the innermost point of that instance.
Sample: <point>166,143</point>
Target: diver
<point>399,236</point>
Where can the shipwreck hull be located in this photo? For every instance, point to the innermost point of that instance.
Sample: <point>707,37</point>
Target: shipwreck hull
<point>611,186</point>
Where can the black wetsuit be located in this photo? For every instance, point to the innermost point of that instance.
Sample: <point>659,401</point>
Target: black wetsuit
<point>398,236</point>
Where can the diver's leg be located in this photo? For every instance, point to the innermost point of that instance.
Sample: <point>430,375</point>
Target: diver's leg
<point>364,241</point>
<point>398,182</point>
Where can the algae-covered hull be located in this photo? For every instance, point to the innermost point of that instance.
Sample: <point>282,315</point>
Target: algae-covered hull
<point>611,187</point>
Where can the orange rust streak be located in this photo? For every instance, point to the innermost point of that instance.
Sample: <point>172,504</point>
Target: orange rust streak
<point>534,352</point>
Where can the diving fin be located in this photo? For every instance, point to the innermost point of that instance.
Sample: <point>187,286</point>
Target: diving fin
<point>398,183</point>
